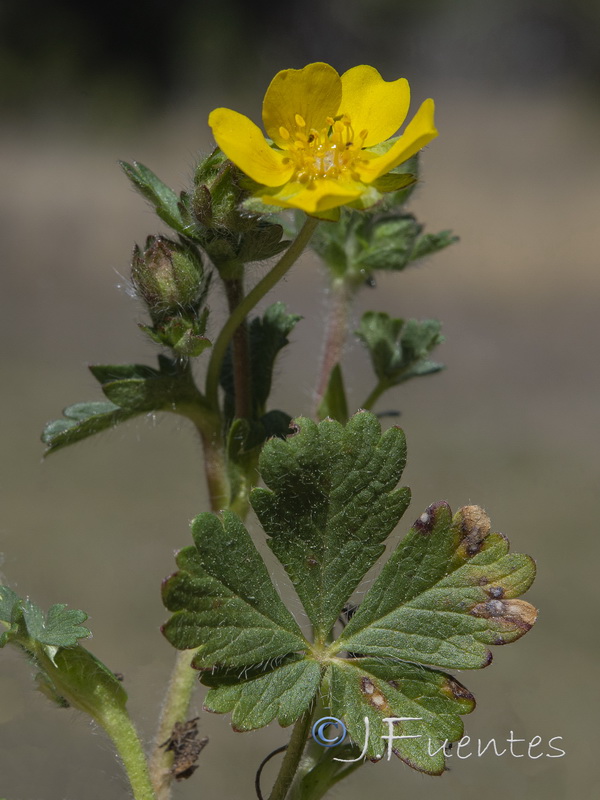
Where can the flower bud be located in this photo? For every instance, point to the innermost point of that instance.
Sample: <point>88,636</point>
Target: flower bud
<point>218,194</point>
<point>167,276</point>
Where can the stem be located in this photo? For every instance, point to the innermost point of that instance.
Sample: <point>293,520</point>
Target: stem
<point>247,304</point>
<point>183,678</point>
<point>117,724</point>
<point>240,353</point>
<point>291,760</point>
<point>208,422</point>
<point>374,396</point>
<point>339,305</point>
<point>175,709</point>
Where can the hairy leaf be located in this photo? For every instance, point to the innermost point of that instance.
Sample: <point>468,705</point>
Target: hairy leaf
<point>164,199</point>
<point>445,595</point>
<point>234,616</point>
<point>131,389</point>
<point>399,349</point>
<point>367,688</point>
<point>330,504</point>
<point>283,694</point>
<point>68,674</point>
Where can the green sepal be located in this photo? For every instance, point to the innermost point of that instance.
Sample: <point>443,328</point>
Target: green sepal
<point>399,349</point>
<point>334,403</point>
<point>446,594</point>
<point>283,693</point>
<point>164,199</point>
<point>330,504</point>
<point>227,608</point>
<point>362,688</point>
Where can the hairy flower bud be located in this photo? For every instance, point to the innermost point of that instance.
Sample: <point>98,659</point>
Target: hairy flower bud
<point>167,276</point>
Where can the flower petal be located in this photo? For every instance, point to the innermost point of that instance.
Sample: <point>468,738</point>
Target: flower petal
<point>243,143</point>
<point>322,196</point>
<point>313,92</point>
<point>372,104</point>
<point>419,132</point>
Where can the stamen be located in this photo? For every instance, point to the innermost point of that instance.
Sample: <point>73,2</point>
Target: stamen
<point>330,153</point>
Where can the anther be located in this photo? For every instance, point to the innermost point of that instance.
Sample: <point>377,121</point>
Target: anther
<point>300,121</point>
<point>284,133</point>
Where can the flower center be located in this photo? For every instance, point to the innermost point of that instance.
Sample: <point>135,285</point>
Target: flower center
<point>333,152</point>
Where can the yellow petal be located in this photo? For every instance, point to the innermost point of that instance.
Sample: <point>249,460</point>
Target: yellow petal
<point>322,196</point>
<point>377,106</point>
<point>243,143</point>
<point>419,132</point>
<point>313,93</point>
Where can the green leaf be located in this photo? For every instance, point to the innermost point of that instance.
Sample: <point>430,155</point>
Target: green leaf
<point>432,242</point>
<point>334,403</point>
<point>228,608</point>
<point>69,674</point>
<point>445,595</point>
<point>164,200</point>
<point>330,505</point>
<point>131,389</point>
<point>82,420</point>
<point>283,694</point>
<point>430,702</point>
<point>138,388</point>
<point>448,592</point>
<point>61,627</point>
<point>399,349</point>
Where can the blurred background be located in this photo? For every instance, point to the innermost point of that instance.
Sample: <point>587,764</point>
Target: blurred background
<point>511,424</point>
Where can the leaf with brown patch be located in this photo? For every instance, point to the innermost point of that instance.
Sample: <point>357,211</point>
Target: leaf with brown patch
<point>447,592</point>
<point>366,688</point>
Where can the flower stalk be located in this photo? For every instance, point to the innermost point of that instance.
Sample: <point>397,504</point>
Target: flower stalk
<point>340,298</point>
<point>246,305</point>
<point>293,755</point>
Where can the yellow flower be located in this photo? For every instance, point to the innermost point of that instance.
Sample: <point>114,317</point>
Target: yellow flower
<point>328,137</point>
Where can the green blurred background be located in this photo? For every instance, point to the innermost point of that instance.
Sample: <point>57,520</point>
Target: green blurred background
<point>511,424</point>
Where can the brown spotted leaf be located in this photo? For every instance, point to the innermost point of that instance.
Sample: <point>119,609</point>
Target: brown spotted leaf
<point>418,707</point>
<point>446,594</point>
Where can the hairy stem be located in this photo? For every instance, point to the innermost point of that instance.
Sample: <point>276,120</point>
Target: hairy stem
<point>175,709</point>
<point>374,396</point>
<point>118,725</point>
<point>253,297</point>
<point>293,755</point>
<point>183,678</point>
<point>240,353</point>
<point>340,298</point>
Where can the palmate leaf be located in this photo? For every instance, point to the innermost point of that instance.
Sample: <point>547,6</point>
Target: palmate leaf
<point>446,594</point>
